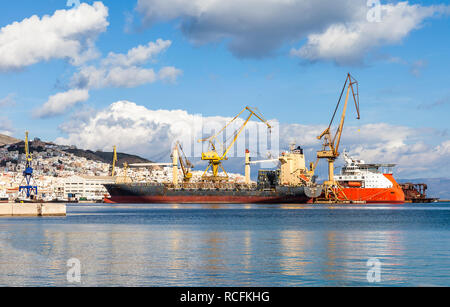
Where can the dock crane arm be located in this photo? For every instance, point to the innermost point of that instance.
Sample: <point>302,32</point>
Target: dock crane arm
<point>213,156</point>
<point>351,81</point>
<point>334,142</point>
<point>238,133</point>
<point>113,172</point>
<point>28,156</point>
<point>331,143</point>
<point>214,137</point>
<point>186,165</point>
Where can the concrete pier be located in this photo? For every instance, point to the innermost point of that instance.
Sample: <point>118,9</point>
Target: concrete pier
<point>29,210</point>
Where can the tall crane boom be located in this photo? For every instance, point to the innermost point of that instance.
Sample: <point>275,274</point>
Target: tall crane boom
<point>27,149</point>
<point>113,172</point>
<point>330,150</point>
<point>215,159</point>
<point>185,164</point>
<point>31,190</point>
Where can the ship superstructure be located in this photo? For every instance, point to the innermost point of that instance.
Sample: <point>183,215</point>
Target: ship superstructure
<point>291,183</point>
<point>371,183</point>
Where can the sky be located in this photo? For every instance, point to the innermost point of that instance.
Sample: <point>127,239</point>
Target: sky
<point>141,74</point>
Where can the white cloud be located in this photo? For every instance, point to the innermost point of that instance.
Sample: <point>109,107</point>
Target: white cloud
<point>126,70</point>
<point>66,34</point>
<point>150,133</point>
<point>6,127</point>
<point>349,42</point>
<point>8,101</point>
<point>253,27</point>
<point>58,103</point>
<point>116,70</point>
<point>132,128</point>
<point>169,74</point>
<point>335,29</point>
<point>93,77</point>
<point>138,55</point>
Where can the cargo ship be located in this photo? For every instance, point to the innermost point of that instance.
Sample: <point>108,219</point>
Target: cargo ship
<point>291,183</point>
<point>369,183</point>
<point>204,194</point>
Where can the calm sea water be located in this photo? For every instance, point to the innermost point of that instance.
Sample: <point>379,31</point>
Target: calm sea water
<point>229,245</point>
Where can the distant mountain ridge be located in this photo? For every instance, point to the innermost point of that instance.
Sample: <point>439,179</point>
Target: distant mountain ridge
<point>7,140</point>
<point>106,157</point>
<point>37,145</point>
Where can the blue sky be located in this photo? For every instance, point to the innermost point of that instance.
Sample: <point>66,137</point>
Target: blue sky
<point>404,81</point>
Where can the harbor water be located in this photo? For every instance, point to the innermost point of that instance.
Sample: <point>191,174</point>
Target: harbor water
<point>229,245</point>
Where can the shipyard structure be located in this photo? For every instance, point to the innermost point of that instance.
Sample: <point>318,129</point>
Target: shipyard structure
<point>176,182</point>
<point>292,183</point>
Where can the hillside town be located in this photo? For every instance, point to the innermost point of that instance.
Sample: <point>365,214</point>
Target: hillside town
<point>64,173</point>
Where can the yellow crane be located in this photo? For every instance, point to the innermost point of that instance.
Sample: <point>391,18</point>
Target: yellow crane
<point>29,158</point>
<point>330,150</point>
<point>213,157</point>
<point>186,165</point>
<point>113,172</point>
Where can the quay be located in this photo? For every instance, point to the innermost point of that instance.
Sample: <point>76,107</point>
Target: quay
<point>31,210</point>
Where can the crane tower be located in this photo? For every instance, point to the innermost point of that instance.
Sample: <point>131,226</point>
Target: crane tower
<point>30,190</point>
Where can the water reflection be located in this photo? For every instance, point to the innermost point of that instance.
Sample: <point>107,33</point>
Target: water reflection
<point>205,247</point>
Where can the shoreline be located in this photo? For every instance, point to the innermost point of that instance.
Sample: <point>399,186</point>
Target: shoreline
<point>32,210</point>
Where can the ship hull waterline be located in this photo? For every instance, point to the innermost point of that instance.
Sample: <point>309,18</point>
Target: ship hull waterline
<point>159,195</point>
<point>393,195</point>
<point>374,196</point>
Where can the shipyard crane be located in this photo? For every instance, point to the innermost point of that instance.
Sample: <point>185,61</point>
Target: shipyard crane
<point>249,162</point>
<point>215,158</point>
<point>330,149</point>
<point>28,173</point>
<point>177,155</point>
<point>113,172</point>
<point>185,164</point>
<point>124,178</point>
<point>135,165</point>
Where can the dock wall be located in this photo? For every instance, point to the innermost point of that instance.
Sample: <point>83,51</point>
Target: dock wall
<point>29,210</point>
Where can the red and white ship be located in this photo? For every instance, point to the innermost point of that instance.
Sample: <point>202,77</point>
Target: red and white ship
<point>370,183</point>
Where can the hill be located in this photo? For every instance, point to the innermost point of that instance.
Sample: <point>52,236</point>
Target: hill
<point>37,146</point>
<point>7,140</point>
<point>106,157</point>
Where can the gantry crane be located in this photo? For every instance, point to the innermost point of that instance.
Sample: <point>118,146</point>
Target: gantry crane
<point>31,191</point>
<point>330,150</point>
<point>213,157</point>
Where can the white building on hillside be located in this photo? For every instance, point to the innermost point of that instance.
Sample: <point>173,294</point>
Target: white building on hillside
<point>85,187</point>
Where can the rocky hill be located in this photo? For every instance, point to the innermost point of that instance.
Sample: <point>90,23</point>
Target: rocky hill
<point>37,145</point>
<point>107,157</point>
<point>7,140</point>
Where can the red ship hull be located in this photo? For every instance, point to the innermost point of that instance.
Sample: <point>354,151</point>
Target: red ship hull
<point>202,200</point>
<point>161,194</point>
<point>394,195</point>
